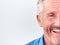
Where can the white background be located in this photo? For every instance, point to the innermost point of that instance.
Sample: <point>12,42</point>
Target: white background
<point>18,24</point>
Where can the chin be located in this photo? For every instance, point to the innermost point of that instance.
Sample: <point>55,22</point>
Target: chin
<point>55,41</point>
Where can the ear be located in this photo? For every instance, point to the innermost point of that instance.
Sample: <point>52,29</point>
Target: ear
<point>39,20</point>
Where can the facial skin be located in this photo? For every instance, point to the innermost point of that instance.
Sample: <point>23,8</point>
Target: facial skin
<point>50,22</point>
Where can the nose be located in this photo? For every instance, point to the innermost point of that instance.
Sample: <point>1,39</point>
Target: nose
<point>57,21</point>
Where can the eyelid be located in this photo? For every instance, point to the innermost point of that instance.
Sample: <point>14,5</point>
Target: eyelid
<point>51,14</point>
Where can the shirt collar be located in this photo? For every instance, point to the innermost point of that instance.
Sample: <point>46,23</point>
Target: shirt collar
<point>41,42</point>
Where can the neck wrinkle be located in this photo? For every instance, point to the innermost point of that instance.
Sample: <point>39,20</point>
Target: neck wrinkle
<point>46,41</point>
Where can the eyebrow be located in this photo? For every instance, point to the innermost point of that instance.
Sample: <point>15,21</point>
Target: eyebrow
<point>51,12</point>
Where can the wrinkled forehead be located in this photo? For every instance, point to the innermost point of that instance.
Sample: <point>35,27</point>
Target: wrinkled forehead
<point>52,4</point>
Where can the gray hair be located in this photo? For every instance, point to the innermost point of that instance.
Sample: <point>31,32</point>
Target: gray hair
<point>39,7</point>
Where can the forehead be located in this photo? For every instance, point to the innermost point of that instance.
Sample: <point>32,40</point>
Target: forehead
<point>51,5</point>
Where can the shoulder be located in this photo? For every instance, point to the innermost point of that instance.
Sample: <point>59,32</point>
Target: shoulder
<point>36,41</point>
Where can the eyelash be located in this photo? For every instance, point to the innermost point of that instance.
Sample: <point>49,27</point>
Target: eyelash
<point>51,15</point>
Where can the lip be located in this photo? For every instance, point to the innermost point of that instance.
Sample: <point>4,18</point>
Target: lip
<point>55,32</point>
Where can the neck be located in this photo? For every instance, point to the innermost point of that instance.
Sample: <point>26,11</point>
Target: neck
<point>46,41</point>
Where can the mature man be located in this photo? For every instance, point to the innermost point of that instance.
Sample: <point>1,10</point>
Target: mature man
<point>48,17</point>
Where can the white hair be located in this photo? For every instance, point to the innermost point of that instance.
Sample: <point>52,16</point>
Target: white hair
<point>39,7</point>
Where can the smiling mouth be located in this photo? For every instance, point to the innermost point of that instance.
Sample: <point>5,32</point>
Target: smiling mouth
<point>56,31</point>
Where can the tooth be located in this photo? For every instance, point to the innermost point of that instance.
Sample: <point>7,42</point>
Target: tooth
<point>56,30</point>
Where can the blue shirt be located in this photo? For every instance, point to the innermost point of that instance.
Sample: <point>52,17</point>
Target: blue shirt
<point>39,41</point>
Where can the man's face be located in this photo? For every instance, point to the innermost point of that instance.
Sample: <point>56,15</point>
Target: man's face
<point>51,21</point>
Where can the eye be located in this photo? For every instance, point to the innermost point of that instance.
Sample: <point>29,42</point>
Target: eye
<point>51,15</point>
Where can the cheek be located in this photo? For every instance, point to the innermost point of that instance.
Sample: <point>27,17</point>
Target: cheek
<point>47,24</point>
<point>46,27</point>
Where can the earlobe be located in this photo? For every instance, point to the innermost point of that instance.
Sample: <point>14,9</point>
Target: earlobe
<point>39,20</point>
